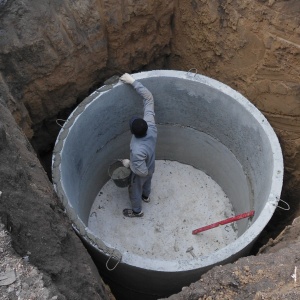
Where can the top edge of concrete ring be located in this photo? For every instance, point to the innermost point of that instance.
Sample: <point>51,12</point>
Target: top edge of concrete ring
<point>241,244</point>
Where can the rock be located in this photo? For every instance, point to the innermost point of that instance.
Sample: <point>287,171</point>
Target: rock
<point>8,277</point>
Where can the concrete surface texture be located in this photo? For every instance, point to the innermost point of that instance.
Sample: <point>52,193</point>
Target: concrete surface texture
<point>182,199</point>
<point>197,122</point>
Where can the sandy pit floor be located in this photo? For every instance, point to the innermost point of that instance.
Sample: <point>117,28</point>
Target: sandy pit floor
<point>182,199</point>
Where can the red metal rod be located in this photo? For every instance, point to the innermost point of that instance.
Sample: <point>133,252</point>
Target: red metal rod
<point>226,221</point>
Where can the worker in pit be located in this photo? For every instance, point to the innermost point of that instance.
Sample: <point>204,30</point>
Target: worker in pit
<point>142,150</point>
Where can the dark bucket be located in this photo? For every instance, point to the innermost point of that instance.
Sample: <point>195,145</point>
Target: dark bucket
<point>119,174</point>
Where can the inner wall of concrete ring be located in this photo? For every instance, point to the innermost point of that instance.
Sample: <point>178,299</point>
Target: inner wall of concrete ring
<point>201,122</point>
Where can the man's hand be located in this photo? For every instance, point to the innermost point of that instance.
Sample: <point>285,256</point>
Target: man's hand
<point>127,78</point>
<point>126,163</point>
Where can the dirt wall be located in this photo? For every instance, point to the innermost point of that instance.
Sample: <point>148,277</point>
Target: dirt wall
<point>254,47</point>
<point>40,231</point>
<point>52,53</point>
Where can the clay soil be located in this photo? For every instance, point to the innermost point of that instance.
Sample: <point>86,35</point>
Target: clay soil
<point>272,274</point>
<point>251,45</point>
<point>37,242</point>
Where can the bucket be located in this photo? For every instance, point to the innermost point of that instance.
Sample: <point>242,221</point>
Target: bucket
<point>119,174</point>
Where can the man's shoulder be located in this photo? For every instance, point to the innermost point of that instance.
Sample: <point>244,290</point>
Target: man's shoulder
<point>138,151</point>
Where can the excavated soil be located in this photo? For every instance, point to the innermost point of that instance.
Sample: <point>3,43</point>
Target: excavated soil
<point>53,54</point>
<point>47,257</point>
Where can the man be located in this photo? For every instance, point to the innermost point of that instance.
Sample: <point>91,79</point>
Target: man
<point>142,150</point>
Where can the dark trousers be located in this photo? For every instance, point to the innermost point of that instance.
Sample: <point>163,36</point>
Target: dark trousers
<point>139,186</point>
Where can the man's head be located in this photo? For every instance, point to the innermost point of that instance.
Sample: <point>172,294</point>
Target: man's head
<point>138,127</point>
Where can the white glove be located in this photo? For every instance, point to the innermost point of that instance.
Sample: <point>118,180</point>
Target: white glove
<point>127,78</point>
<point>126,163</point>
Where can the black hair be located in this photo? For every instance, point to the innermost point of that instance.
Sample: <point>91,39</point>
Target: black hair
<point>138,127</point>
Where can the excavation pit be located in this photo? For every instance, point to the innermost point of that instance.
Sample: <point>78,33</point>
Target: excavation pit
<point>202,124</point>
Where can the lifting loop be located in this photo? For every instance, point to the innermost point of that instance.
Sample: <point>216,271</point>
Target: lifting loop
<point>118,261</point>
<point>61,121</point>
<point>189,71</point>
<point>288,206</point>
